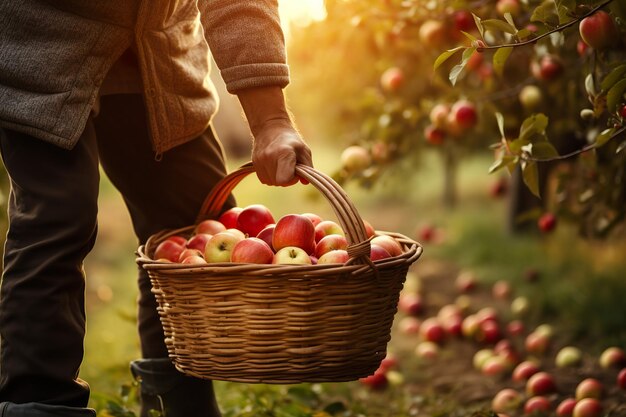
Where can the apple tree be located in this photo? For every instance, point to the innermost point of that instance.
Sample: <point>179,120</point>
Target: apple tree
<point>542,82</point>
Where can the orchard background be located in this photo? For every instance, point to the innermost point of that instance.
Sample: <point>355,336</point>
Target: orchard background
<point>490,131</point>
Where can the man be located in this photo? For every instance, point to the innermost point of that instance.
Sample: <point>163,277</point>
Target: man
<point>122,84</point>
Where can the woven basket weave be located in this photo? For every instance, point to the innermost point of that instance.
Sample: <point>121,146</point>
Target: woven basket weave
<point>280,323</point>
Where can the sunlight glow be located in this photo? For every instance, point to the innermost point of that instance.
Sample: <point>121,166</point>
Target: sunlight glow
<point>300,12</point>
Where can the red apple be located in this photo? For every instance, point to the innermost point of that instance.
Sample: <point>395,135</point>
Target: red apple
<point>501,289</point>
<point>481,356</point>
<point>369,229</point>
<point>189,252</point>
<point>508,6</point>
<point>587,407</point>
<point>612,357</point>
<point>434,135</point>
<point>339,256</point>
<point>377,381</point>
<point>426,233</point>
<point>389,362</point>
<point>540,383</point>
<point>439,115</point>
<point>252,250</point>
<point>315,219</point>
<point>220,246</point>
<point>536,343</point>
<point>392,79</point>
<point>209,227</point>
<point>515,328</point>
<point>178,239</point>
<point>410,304</point>
<point>589,388</point>
<point>524,370</point>
<point>390,244</point>
<point>621,379</point>
<point>547,222</point>
<point>327,227</point>
<point>548,68</point>
<point>267,235</point>
<point>537,405</point>
<point>432,33</point>
<point>581,48</point>
<point>449,310</point>
<point>294,230</point>
<point>194,260</point>
<point>464,114</point>
<point>499,187</point>
<point>568,356</point>
<point>431,330</point>
<point>292,255</point>
<point>487,314</point>
<point>168,249</point>
<point>463,20</point>
<point>409,325</point>
<point>229,217</point>
<point>453,325</point>
<point>427,350</point>
<point>598,30</point>
<point>466,281</point>
<point>506,400</point>
<point>488,332</point>
<point>253,219</point>
<point>495,366</point>
<point>330,242</point>
<point>566,407</point>
<point>199,241</point>
<point>355,158</point>
<point>378,253</point>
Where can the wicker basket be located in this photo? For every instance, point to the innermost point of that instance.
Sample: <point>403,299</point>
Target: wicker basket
<point>280,323</point>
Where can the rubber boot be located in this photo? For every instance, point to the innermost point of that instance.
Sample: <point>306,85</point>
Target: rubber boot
<point>173,394</point>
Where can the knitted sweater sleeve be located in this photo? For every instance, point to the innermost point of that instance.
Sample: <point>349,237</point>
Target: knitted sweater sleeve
<point>247,42</point>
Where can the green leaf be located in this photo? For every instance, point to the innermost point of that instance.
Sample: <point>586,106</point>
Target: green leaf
<point>500,120</point>
<point>458,69</point>
<point>613,77</point>
<point>515,146</point>
<point>589,85</point>
<point>470,36</point>
<point>531,176</point>
<point>533,125</point>
<point>505,161</point>
<point>543,150</point>
<point>499,59</point>
<point>499,25</point>
<point>444,56</point>
<point>615,96</point>
<point>546,13</point>
<point>565,8</point>
<point>604,136</point>
<point>621,147</point>
<point>479,25</point>
<point>509,19</point>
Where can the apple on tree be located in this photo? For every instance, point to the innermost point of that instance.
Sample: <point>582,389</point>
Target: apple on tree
<point>598,30</point>
<point>355,158</point>
<point>392,79</point>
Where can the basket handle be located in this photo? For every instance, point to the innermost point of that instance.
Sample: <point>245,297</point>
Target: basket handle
<point>346,212</point>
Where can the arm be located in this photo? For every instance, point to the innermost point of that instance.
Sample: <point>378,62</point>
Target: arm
<point>247,43</point>
<point>277,145</point>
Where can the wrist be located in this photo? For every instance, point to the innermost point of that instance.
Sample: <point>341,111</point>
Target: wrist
<point>264,107</point>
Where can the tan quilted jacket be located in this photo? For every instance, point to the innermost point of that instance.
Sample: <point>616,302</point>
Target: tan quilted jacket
<point>55,54</point>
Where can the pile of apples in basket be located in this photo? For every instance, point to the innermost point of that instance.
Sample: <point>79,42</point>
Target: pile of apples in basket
<point>251,235</point>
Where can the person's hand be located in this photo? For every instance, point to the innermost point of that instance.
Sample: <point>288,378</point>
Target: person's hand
<point>277,147</point>
<point>276,150</point>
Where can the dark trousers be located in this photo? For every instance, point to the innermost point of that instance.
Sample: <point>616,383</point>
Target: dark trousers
<point>52,227</point>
